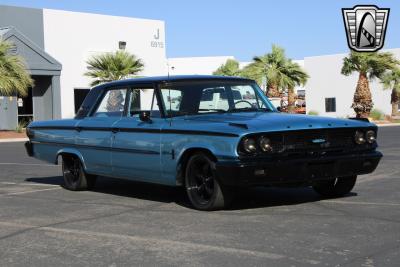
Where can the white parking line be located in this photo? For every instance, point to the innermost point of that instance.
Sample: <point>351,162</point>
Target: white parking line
<point>29,184</point>
<point>28,164</point>
<point>360,203</point>
<point>160,244</point>
<point>30,191</point>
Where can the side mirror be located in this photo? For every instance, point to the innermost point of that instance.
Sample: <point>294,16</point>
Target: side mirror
<point>145,116</point>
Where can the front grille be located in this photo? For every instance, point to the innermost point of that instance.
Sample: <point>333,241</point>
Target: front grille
<point>324,139</point>
<point>312,142</point>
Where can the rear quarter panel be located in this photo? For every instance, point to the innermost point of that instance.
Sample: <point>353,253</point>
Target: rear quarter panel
<point>49,137</point>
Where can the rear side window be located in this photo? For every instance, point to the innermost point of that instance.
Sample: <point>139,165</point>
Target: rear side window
<point>112,104</point>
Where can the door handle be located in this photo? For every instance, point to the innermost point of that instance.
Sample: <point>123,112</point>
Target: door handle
<point>115,130</point>
<point>78,129</point>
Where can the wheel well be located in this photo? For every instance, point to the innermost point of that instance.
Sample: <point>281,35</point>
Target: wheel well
<point>63,154</point>
<point>182,163</point>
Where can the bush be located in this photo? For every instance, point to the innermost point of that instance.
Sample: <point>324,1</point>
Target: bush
<point>21,125</point>
<point>377,115</point>
<point>313,112</point>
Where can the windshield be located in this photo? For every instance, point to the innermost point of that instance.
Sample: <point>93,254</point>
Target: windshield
<point>213,97</point>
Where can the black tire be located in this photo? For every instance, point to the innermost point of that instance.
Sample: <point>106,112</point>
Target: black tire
<point>75,178</point>
<point>202,186</point>
<point>335,187</point>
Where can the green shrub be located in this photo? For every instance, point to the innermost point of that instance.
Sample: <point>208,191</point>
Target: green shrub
<point>313,112</point>
<point>21,126</point>
<point>377,115</point>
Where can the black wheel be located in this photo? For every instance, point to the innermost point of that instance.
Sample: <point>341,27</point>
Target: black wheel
<point>202,186</point>
<point>75,178</point>
<point>335,187</point>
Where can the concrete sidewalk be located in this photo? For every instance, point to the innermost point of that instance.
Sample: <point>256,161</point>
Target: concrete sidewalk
<point>10,140</point>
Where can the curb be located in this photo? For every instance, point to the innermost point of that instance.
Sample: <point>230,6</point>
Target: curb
<point>388,125</point>
<point>11,140</point>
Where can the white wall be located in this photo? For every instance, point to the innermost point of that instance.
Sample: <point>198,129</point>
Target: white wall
<point>196,65</point>
<point>71,37</point>
<point>327,81</point>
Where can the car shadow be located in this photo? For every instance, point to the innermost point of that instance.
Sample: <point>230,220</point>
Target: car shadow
<point>245,198</point>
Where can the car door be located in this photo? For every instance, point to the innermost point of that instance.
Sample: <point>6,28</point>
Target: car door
<point>94,135</point>
<point>136,144</point>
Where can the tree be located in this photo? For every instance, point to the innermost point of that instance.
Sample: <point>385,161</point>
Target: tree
<point>230,68</point>
<point>14,78</point>
<point>369,65</point>
<point>272,67</point>
<point>391,80</point>
<point>297,76</point>
<point>113,66</point>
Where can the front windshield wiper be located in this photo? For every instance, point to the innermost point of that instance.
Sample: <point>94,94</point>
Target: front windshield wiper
<point>250,110</point>
<point>213,110</point>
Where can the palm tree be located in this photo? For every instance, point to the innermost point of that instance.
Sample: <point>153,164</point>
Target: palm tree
<point>391,80</point>
<point>230,68</point>
<point>14,78</point>
<point>271,66</point>
<point>369,65</point>
<point>113,66</point>
<point>297,76</point>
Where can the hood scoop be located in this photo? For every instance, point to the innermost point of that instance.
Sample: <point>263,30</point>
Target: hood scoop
<point>239,125</point>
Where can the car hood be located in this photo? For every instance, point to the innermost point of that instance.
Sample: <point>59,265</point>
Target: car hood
<point>276,121</point>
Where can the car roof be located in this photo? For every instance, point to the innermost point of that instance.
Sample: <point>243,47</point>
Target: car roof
<point>173,78</point>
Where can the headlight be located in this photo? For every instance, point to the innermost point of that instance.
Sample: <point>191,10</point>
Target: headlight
<point>359,138</point>
<point>370,136</point>
<point>265,144</point>
<point>249,145</point>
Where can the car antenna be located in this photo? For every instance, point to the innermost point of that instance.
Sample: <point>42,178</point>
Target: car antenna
<point>169,95</point>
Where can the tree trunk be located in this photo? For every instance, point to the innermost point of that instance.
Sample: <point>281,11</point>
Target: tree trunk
<point>362,101</point>
<point>395,100</point>
<point>273,91</point>
<point>291,100</point>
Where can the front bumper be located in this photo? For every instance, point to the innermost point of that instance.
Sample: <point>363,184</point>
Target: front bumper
<point>29,148</point>
<point>299,170</point>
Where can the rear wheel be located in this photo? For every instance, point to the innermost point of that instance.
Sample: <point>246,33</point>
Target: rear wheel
<point>203,189</point>
<point>75,178</point>
<point>335,187</point>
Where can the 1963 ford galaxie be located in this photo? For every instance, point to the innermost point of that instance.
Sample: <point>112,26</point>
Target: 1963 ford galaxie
<point>206,133</point>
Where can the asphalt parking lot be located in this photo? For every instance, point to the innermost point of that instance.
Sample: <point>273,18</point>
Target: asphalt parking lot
<point>123,223</point>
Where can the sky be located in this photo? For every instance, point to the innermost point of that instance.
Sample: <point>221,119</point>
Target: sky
<point>242,29</point>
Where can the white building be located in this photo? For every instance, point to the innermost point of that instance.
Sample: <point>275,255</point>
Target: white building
<point>327,84</point>
<point>196,65</point>
<point>56,45</point>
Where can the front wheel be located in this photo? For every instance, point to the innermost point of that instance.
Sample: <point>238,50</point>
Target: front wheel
<point>202,187</point>
<point>335,187</point>
<point>75,178</point>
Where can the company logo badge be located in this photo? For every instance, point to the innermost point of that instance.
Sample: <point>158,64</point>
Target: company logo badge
<point>365,27</point>
<point>318,141</point>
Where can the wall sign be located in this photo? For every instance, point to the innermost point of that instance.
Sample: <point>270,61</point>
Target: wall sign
<point>155,42</point>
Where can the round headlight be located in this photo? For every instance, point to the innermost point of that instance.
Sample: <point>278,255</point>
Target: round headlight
<point>359,138</point>
<point>265,144</point>
<point>249,145</point>
<point>370,136</point>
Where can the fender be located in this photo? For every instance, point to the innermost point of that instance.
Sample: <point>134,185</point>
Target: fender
<point>72,151</point>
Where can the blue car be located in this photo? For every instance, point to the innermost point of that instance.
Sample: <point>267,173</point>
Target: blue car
<point>209,134</point>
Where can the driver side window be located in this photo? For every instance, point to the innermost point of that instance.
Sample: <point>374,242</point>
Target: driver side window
<point>143,99</point>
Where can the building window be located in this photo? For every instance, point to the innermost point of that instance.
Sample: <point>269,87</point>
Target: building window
<point>122,45</point>
<point>330,104</point>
